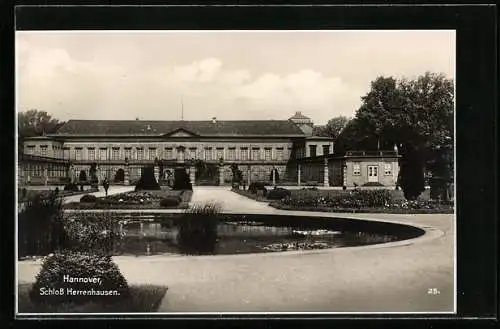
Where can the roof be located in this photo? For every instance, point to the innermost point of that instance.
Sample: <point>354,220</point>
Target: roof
<point>319,138</point>
<point>299,116</point>
<point>159,128</point>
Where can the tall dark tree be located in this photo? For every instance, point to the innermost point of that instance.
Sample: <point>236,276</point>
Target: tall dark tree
<point>416,115</point>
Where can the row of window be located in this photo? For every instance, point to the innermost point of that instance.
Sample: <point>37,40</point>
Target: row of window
<point>140,153</point>
<point>356,169</point>
<point>231,155</point>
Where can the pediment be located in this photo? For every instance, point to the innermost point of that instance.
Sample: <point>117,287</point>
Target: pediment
<point>180,132</point>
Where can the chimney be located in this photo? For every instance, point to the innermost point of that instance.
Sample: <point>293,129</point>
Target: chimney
<point>214,120</point>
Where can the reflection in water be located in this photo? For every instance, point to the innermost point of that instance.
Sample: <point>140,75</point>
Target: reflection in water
<point>160,237</point>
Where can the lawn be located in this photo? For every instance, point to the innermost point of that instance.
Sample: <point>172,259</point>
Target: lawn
<point>149,199</point>
<point>143,298</point>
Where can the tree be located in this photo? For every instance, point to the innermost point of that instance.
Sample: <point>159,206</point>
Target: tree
<point>416,115</point>
<point>36,123</point>
<point>332,128</point>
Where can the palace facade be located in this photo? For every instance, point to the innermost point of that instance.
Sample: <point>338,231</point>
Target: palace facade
<point>120,149</point>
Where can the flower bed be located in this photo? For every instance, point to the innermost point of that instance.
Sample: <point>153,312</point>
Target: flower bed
<point>45,194</point>
<point>362,201</point>
<point>381,210</point>
<point>353,201</point>
<point>135,200</point>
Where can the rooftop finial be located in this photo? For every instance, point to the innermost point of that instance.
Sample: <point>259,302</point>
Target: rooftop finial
<point>182,108</point>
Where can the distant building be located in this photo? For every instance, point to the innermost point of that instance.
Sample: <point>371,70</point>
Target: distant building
<point>121,148</point>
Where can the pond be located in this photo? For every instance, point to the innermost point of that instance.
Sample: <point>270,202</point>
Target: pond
<point>242,234</point>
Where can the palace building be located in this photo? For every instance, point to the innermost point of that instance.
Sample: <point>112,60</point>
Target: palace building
<point>207,149</point>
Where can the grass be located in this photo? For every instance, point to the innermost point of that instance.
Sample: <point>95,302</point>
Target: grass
<point>143,298</point>
<point>108,203</point>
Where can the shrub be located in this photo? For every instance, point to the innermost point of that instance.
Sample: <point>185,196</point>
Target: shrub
<point>255,186</point>
<point>41,226</point>
<point>73,264</point>
<point>278,194</point>
<point>88,198</point>
<point>182,181</point>
<point>373,184</point>
<point>198,229</point>
<point>170,201</point>
<point>147,180</point>
<point>90,232</point>
<point>73,187</point>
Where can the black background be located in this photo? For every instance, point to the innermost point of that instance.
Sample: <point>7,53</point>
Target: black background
<point>476,101</point>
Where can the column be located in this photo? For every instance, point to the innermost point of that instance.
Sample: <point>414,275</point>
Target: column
<point>326,181</point>
<point>70,173</point>
<point>249,175</point>
<point>298,174</point>
<point>221,175</point>
<point>344,174</point>
<point>45,175</point>
<point>274,176</point>
<point>126,174</point>
<point>157,173</point>
<point>192,177</point>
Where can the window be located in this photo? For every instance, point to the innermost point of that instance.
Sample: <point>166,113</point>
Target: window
<point>91,153</point>
<point>168,153</point>
<point>128,151</point>
<point>152,153</point>
<point>208,153</point>
<point>31,149</point>
<point>115,153</point>
<point>388,168</point>
<point>267,154</point>
<point>312,150</point>
<point>78,153</point>
<point>103,154</point>
<point>255,153</point>
<point>43,150</point>
<point>356,168</point>
<point>279,153</point>
<point>66,153</point>
<point>140,153</point>
<point>220,153</point>
<point>231,153</point>
<point>326,149</point>
<point>244,153</point>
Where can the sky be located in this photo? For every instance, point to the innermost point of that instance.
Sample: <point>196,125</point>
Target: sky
<point>153,75</point>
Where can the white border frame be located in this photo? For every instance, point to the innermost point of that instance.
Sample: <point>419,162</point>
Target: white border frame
<point>178,315</point>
